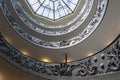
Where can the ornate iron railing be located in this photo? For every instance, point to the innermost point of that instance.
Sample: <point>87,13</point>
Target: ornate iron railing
<point>105,61</point>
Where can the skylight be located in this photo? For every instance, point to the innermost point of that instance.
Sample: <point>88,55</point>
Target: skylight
<point>53,9</point>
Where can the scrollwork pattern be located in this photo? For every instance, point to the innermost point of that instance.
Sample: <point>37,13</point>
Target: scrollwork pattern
<point>114,57</point>
<point>80,68</point>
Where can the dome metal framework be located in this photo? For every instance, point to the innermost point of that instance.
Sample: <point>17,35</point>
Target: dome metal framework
<point>53,9</point>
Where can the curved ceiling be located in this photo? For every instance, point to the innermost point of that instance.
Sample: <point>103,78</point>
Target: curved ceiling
<point>106,32</point>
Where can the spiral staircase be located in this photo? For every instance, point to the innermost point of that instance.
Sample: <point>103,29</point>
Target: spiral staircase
<point>82,45</point>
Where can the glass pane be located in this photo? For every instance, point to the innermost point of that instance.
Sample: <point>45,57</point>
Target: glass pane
<point>51,15</point>
<point>46,12</point>
<point>40,11</point>
<point>35,6</point>
<point>31,2</point>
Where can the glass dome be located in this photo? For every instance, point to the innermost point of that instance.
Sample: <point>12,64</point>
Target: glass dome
<point>53,9</point>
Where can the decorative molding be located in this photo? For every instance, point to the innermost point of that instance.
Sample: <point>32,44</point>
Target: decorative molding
<point>95,21</point>
<point>103,62</point>
<point>23,15</point>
